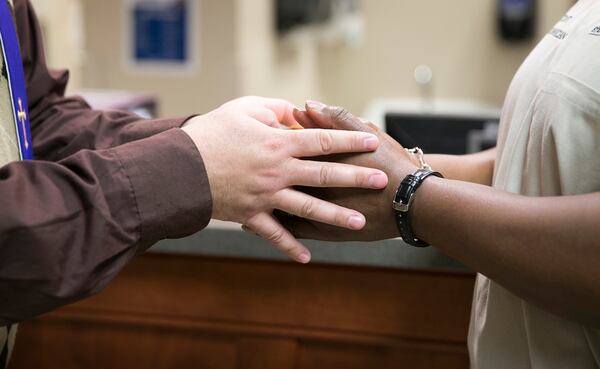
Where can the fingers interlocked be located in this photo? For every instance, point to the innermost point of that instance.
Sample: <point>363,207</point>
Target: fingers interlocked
<point>288,152</point>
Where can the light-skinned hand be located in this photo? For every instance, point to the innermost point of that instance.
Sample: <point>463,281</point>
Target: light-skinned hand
<point>253,167</point>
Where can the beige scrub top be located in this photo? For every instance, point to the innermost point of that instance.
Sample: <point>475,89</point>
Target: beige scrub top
<point>549,145</point>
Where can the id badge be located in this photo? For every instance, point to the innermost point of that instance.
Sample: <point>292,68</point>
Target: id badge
<point>15,136</point>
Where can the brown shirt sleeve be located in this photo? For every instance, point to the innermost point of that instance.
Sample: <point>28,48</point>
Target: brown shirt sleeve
<point>70,223</point>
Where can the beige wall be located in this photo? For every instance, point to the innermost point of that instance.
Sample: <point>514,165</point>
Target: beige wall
<point>269,66</point>
<point>209,85</point>
<point>62,24</point>
<point>241,54</point>
<point>457,39</point>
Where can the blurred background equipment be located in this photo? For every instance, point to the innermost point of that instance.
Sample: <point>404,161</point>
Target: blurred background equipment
<point>517,19</point>
<point>144,105</point>
<point>443,126</point>
<point>293,13</point>
<point>439,133</point>
<point>424,78</point>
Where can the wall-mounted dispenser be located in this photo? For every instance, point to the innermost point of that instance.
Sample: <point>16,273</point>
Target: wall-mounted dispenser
<point>516,19</point>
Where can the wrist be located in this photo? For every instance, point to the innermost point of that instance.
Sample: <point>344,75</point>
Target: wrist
<point>395,177</point>
<point>423,205</point>
<point>191,120</point>
<point>404,200</point>
<point>194,128</point>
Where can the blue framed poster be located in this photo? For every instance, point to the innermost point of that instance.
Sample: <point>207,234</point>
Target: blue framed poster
<point>163,33</point>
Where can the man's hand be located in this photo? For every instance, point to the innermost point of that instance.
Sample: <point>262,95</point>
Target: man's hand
<point>390,157</point>
<point>252,168</point>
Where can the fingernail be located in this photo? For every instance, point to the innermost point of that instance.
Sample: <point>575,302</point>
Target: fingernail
<point>371,143</point>
<point>315,106</point>
<point>304,257</point>
<point>356,222</point>
<point>377,180</point>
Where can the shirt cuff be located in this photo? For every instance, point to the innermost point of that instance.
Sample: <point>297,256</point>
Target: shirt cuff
<point>170,185</point>
<point>149,127</point>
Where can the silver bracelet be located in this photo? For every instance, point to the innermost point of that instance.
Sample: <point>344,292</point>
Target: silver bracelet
<point>419,154</point>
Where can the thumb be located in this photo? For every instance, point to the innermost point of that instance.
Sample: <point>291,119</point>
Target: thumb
<point>334,117</point>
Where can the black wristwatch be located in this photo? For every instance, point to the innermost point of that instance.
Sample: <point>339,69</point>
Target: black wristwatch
<point>403,200</point>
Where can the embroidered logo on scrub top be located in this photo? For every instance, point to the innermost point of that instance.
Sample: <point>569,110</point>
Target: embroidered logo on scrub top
<point>595,31</point>
<point>558,33</point>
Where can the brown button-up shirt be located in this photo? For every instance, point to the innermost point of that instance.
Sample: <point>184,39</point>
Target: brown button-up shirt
<point>104,187</point>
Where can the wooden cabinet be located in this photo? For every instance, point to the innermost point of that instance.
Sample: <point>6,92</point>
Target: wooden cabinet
<point>167,311</point>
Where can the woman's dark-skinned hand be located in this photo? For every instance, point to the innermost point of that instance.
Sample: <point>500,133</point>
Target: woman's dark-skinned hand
<point>507,237</point>
<point>375,205</point>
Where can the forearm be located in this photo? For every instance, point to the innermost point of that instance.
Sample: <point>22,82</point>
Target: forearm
<point>474,168</point>
<point>545,250</point>
<point>68,228</point>
<point>62,126</point>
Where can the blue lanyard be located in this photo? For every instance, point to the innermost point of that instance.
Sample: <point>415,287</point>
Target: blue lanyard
<point>16,79</point>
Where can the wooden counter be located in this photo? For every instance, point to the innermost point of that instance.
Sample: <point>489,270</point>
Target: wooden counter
<point>182,311</point>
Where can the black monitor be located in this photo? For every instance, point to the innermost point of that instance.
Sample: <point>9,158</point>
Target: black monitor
<point>442,134</point>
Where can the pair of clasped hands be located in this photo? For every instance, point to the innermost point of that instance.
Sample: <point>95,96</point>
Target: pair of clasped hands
<point>303,182</point>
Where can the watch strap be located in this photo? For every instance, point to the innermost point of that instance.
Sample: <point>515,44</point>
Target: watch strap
<point>403,201</point>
